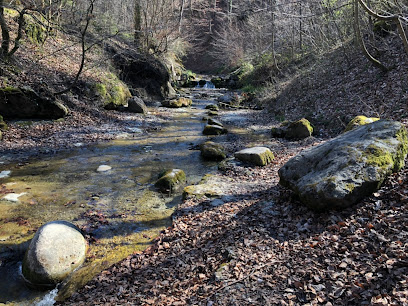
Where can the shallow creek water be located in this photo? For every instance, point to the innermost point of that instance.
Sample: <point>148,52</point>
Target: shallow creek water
<point>120,207</point>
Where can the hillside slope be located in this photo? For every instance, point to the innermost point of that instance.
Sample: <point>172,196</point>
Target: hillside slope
<point>341,85</point>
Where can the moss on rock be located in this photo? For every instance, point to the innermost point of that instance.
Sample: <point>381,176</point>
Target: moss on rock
<point>177,103</point>
<point>358,121</point>
<point>36,32</point>
<point>212,107</point>
<point>212,151</point>
<point>112,92</point>
<point>214,130</point>
<point>171,180</point>
<point>342,171</point>
<point>259,156</point>
<point>293,130</point>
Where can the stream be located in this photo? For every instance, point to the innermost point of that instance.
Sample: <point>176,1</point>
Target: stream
<point>120,208</point>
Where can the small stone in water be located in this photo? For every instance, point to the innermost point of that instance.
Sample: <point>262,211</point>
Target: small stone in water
<point>13,197</point>
<point>103,168</point>
<point>4,174</point>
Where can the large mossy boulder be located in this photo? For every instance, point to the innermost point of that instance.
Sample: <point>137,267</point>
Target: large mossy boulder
<point>342,171</point>
<point>25,103</point>
<point>56,250</point>
<point>141,71</point>
<point>112,92</point>
<point>177,103</point>
<point>212,129</point>
<point>171,180</point>
<point>259,156</point>
<point>359,120</point>
<point>213,107</point>
<point>293,130</point>
<point>212,151</point>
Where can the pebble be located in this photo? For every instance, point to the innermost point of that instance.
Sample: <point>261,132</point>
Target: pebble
<point>4,174</point>
<point>135,130</point>
<point>13,197</point>
<point>103,168</point>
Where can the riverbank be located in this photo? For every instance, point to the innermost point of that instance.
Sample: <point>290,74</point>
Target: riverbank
<point>84,125</point>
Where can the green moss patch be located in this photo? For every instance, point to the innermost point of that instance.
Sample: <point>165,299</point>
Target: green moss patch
<point>171,180</point>
<point>358,121</point>
<point>112,92</point>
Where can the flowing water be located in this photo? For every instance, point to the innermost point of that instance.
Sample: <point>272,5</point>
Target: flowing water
<point>120,207</point>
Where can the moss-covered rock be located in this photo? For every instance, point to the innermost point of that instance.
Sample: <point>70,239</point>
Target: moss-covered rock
<point>359,120</point>
<point>214,130</point>
<point>342,171</point>
<point>212,107</point>
<point>299,129</point>
<point>212,121</point>
<point>259,156</point>
<point>293,130</point>
<point>212,113</point>
<point>112,92</point>
<point>25,103</point>
<point>35,31</point>
<point>177,103</point>
<point>212,151</point>
<point>171,180</point>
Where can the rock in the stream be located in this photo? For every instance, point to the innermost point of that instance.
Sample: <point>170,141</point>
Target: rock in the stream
<point>177,103</point>
<point>214,122</point>
<point>212,113</point>
<point>171,180</point>
<point>57,249</point>
<point>293,130</point>
<point>136,105</point>
<point>342,171</point>
<point>214,130</point>
<point>212,107</point>
<point>103,168</point>
<point>212,151</point>
<point>359,120</point>
<point>259,156</point>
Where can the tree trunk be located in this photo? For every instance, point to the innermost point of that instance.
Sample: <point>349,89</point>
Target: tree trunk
<point>5,33</point>
<point>360,40</point>
<point>137,22</point>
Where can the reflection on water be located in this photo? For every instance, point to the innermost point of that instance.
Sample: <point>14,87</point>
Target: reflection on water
<point>119,208</point>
